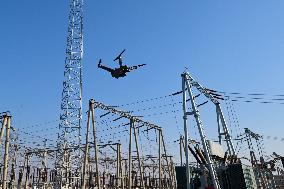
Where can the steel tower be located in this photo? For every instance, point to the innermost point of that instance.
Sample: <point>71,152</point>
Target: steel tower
<point>71,102</point>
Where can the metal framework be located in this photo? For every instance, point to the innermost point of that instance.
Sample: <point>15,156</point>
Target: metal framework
<point>91,118</point>
<point>187,83</point>
<point>71,102</point>
<point>259,165</point>
<point>220,116</point>
<point>132,130</point>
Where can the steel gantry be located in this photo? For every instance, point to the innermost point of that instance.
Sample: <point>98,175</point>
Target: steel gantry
<point>71,102</point>
<point>133,126</point>
<point>187,84</point>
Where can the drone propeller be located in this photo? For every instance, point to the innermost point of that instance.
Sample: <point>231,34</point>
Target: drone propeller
<point>100,62</point>
<point>119,56</point>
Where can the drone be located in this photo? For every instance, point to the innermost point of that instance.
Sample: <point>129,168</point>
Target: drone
<point>122,70</point>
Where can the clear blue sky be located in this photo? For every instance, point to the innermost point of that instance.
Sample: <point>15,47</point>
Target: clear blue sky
<point>233,46</point>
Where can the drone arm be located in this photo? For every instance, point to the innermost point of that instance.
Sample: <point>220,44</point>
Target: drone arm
<point>120,61</point>
<point>105,68</point>
<point>135,67</point>
<point>132,68</point>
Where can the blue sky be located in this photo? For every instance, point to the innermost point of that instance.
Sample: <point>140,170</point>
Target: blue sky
<point>233,46</point>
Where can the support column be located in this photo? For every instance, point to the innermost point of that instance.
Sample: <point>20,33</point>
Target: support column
<point>26,165</point>
<point>166,156</point>
<point>6,155</point>
<point>86,149</point>
<point>226,131</point>
<point>219,127</point>
<point>4,123</point>
<point>95,143</point>
<point>117,165</point>
<point>180,149</point>
<point>185,131</point>
<point>139,160</point>
<point>129,155</point>
<point>202,136</point>
<point>160,162</point>
<point>120,167</point>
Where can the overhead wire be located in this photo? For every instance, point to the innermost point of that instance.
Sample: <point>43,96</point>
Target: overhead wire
<point>156,107</point>
<point>226,94</point>
<point>251,97</point>
<point>145,100</point>
<point>42,124</point>
<point>262,98</point>
<point>33,135</point>
<point>175,116</point>
<point>233,121</point>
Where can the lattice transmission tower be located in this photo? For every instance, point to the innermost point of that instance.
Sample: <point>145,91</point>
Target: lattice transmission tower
<point>71,102</point>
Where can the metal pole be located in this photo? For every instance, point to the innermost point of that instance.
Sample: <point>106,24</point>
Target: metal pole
<point>180,149</point>
<point>95,143</point>
<point>26,165</point>
<point>2,128</point>
<point>219,127</point>
<point>117,165</point>
<point>14,159</point>
<point>160,162</point>
<point>86,149</point>
<point>202,136</point>
<point>4,122</point>
<point>185,131</point>
<point>225,128</point>
<point>6,155</point>
<point>120,167</point>
<point>129,155</point>
<point>173,173</point>
<point>167,161</point>
<point>138,155</point>
<point>45,154</point>
<point>125,172</point>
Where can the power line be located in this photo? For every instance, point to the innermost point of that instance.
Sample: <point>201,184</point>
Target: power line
<point>252,97</point>
<point>145,100</point>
